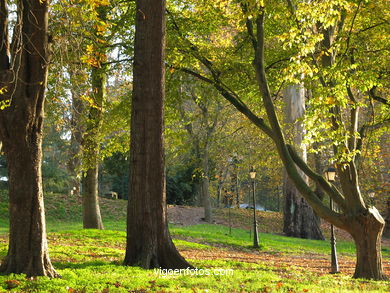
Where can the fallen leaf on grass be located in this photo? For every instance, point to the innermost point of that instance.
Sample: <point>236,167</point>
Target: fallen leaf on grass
<point>12,284</point>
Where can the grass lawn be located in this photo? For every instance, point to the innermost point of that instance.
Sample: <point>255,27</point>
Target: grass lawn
<point>90,261</point>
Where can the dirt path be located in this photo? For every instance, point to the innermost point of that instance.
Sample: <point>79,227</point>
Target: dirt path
<point>271,222</point>
<point>315,263</point>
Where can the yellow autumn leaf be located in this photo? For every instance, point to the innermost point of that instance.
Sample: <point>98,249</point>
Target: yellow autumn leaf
<point>3,90</point>
<point>330,100</point>
<point>90,49</point>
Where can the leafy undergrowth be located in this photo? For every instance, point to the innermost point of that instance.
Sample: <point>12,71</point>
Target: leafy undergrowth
<point>90,261</point>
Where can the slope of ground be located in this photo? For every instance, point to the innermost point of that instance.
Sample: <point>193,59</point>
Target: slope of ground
<point>66,208</point>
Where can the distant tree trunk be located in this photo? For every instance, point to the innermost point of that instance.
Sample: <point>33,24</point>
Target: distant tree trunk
<point>74,162</point>
<point>91,141</point>
<point>387,219</point>
<point>219,190</point>
<point>197,190</point>
<point>23,74</point>
<point>299,219</point>
<point>91,210</point>
<point>149,244</point>
<point>206,202</point>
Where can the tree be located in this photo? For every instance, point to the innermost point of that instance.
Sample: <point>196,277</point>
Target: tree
<point>149,244</point>
<point>299,219</point>
<point>23,75</point>
<point>338,88</point>
<point>91,138</point>
<point>201,124</point>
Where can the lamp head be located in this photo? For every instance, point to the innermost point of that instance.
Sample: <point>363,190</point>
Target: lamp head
<point>330,174</point>
<point>252,173</point>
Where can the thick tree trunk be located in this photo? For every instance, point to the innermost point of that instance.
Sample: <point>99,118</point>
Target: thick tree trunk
<point>91,210</point>
<point>299,219</point>
<point>366,231</point>
<point>149,244</point>
<point>21,133</point>
<point>28,251</point>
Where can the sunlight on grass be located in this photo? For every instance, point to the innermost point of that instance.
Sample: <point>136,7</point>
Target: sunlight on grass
<point>90,261</point>
<point>268,242</point>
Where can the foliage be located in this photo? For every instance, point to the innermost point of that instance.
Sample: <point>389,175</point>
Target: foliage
<point>114,174</point>
<point>180,186</point>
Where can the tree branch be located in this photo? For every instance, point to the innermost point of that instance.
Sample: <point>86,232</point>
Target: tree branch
<point>330,189</point>
<point>233,99</point>
<point>324,211</point>
<point>377,98</point>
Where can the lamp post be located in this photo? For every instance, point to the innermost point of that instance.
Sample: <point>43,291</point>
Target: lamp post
<point>252,175</point>
<point>330,175</point>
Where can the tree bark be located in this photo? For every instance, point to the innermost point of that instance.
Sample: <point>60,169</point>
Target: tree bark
<point>23,73</point>
<point>91,145</point>
<point>366,230</point>
<point>149,244</point>
<point>28,251</point>
<point>299,219</point>
<point>92,218</point>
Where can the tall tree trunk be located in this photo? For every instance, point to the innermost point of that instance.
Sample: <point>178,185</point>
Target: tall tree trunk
<point>149,244</point>
<point>23,73</point>
<point>299,219</point>
<point>28,251</point>
<point>91,146</point>
<point>91,209</point>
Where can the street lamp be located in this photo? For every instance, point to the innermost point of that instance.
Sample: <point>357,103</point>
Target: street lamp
<point>330,175</point>
<point>252,175</point>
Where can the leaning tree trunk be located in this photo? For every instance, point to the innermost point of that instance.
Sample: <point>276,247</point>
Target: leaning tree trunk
<point>366,230</point>
<point>299,219</point>
<point>23,76</point>
<point>149,244</point>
